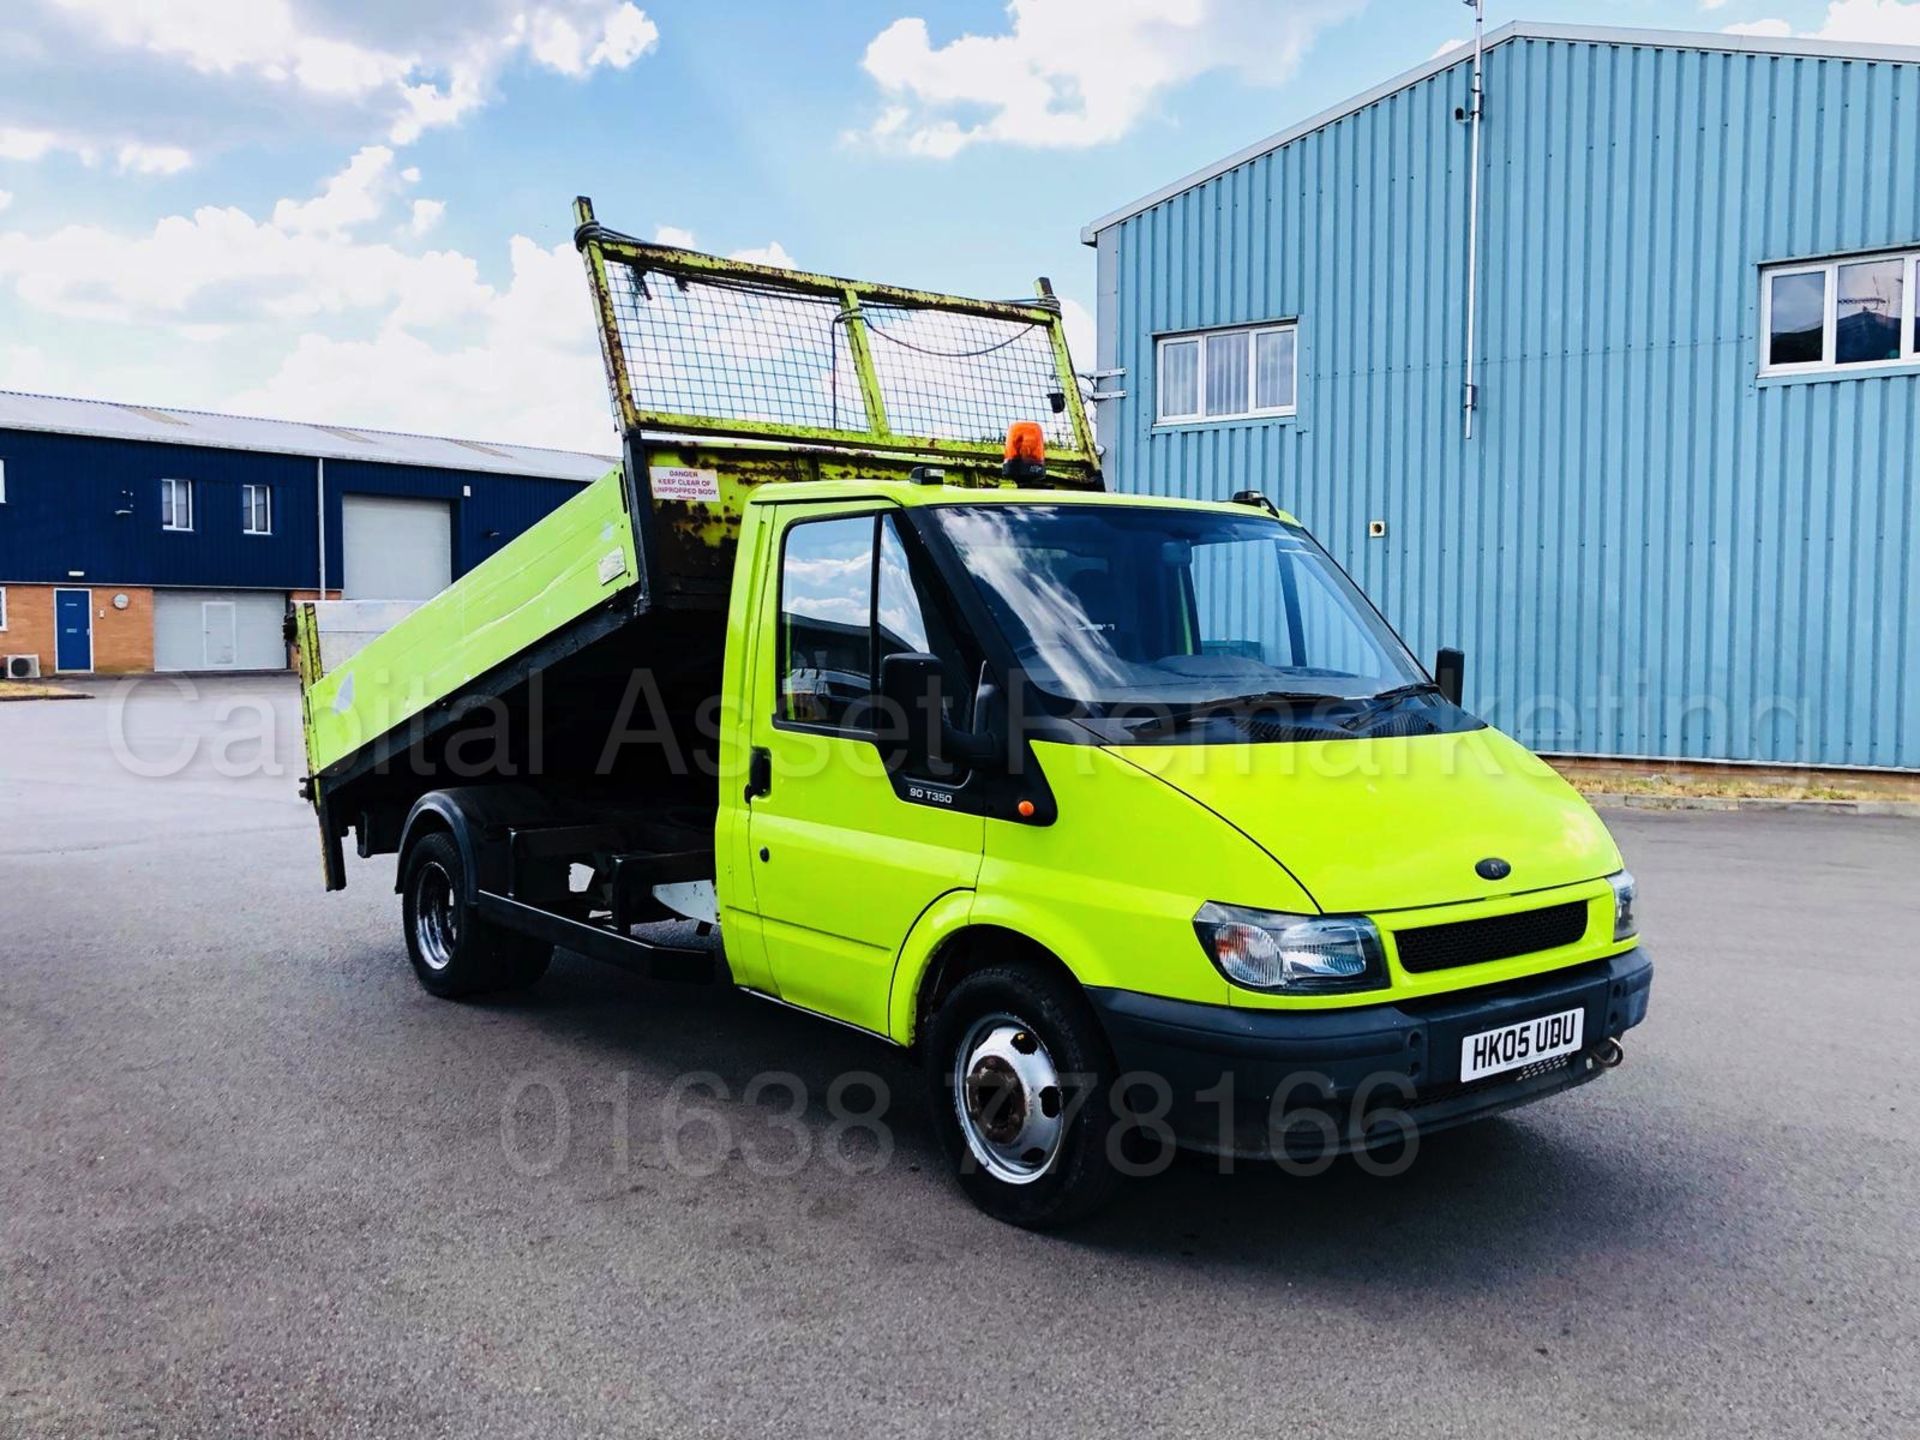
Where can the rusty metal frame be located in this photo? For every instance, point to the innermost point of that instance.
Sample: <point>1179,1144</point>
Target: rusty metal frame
<point>600,247</point>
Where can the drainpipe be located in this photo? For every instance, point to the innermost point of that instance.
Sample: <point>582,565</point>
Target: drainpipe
<point>1475,105</point>
<point>320,477</point>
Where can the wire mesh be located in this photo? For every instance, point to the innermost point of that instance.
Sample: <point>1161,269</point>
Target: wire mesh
<point>731,351</point>
<point>723,349</point>
<point>948,375</point>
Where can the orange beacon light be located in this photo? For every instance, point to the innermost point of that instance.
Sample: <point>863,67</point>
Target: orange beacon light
<point>1026,455</point>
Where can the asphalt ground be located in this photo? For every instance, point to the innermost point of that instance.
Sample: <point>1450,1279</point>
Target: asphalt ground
<point>254,1181</point>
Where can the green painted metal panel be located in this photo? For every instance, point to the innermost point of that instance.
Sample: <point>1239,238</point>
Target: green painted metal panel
<point>576,559</point>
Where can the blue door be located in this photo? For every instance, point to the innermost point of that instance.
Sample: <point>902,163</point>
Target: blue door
<point>73,629</point>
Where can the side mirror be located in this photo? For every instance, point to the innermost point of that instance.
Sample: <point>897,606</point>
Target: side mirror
<point>1450,673</point>
<point>910,692</point>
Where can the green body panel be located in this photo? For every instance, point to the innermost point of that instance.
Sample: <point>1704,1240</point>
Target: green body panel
<point>1112,887</point>
<point>1390,828</point>
<point>732,837</point>
<point>840,866</point>
<point>1117,890</point>
<point>576,558</point>
<point>1395,823</point>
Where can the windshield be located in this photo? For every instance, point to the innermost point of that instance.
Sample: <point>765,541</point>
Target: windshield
<point>1118,607</point>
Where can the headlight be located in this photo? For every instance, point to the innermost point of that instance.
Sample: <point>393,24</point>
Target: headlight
<point>1292,954</point>
<point>1623,895</point>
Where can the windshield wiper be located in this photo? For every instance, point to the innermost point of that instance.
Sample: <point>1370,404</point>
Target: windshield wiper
<point>1173,715</point>
<point>1401,692</point>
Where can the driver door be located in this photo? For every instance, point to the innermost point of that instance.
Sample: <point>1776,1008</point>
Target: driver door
<point>842,866</point>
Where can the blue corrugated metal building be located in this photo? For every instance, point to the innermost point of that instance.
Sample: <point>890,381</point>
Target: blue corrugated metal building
<point>1684,523</point>
<point>134,538</point>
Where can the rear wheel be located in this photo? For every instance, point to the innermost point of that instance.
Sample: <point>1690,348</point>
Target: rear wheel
<point>1019,1073</point>
<point>454,951</point>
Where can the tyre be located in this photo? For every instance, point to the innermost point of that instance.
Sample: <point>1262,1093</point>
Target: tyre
<point>1020,1073</point>
<point>454,952</point>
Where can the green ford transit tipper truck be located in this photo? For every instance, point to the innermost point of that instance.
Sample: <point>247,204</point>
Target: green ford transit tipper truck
<point>1130,816</point>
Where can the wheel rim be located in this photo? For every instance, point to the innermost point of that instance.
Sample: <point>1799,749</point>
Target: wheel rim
<point>1008,1096</point>
<point>436,919</point>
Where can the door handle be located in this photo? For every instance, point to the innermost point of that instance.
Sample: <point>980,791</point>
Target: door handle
<point>759,772</point>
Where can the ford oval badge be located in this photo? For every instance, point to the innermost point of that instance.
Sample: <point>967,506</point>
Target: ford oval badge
<point>1493,868</point>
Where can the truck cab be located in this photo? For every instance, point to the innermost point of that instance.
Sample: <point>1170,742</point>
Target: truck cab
<point>1131,818</point>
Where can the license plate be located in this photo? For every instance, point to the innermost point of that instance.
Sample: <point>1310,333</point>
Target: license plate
<point>1527,1043</point>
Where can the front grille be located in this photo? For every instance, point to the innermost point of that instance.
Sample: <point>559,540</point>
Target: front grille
<point>1496,937</point>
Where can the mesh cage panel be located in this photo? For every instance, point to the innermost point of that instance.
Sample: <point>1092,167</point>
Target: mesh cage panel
<point>953,376</point>
<point>741,349</point>
<point>731,350</point>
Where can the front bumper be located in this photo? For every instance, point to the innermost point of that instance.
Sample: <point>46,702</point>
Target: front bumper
<point>1300,1083</point>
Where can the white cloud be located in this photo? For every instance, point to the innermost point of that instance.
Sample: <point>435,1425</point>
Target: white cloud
<point>425,216</point>
<point>343,328</point>
<point>6,199</point>
<point>138,158</point>
<point>625,36</point>
<point>572,39</point>
<point>17,143</point>
<point>566,44</point>
<point>415,75</point>
<point>21,144</point>
<point>1887,22</point>
<point>1447,47</point>
<point>220,265</point>
<point>223,37</point>
<point>356,195</point>
<point>1712,4</point>
<point>1879,22</point>
<point>426,106</point>
<point>1070,73</point>
<point>771,253</point>
<point>133,157</point>
<point>531,374</point>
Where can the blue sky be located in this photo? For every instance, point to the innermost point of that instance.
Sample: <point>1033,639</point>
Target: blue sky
<point>358,213</point>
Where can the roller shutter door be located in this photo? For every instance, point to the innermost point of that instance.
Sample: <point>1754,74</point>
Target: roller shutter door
<point>396,549</point>
<point>219,630</point>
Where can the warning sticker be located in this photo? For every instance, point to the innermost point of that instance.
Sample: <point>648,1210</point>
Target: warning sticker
<point>678,482</point>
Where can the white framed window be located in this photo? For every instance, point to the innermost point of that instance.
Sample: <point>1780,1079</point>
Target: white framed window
<point>256,509</point>
<point>1842,316</point>
<point>3,490</point>
<point>3,607</point>
<point>1233,373</point>
<point>176,505</point>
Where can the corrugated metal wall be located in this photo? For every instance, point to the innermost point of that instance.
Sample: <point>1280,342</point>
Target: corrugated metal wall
<point>1645,550</point>
<point>64,492</point>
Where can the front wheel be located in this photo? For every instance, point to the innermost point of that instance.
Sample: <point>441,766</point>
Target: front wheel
<point>454,952</point>
<point>1019,1073</point>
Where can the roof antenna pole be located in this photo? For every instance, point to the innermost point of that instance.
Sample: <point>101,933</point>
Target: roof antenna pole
<point>1475,105</point>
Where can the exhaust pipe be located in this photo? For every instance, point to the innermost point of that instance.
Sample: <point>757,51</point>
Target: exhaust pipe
<point>1610,1053</point>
